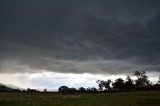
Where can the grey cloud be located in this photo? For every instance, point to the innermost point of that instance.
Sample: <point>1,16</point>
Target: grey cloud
<point>114,36</point>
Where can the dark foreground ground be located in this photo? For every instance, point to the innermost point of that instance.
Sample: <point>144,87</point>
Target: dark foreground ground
<point>103,99</point>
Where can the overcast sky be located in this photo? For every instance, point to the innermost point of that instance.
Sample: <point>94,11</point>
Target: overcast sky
<point>112,37</point>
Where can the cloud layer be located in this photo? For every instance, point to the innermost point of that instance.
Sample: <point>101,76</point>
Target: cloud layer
<point>107,36</point>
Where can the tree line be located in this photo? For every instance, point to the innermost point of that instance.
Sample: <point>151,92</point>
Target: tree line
<point>142,83</point>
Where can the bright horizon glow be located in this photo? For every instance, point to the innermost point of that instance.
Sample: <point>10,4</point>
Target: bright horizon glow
<point>53,80</point>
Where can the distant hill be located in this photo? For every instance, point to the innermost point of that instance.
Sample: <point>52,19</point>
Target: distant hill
<point>8,88</point>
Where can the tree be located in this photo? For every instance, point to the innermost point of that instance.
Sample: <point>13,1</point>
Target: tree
<point>107,84</point>
<point>92,90</point>
<point>71,90</point>
<point>118,84</point>
<point>31,90</point>
<point>63,89</point>
<point>45,90</point>
<point>82,89</point>
<point>128,85</point>
<point>142,79</point>
<point>104,84</point>
<point>100,84</point>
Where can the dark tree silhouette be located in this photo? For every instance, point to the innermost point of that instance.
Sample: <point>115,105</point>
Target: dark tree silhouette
<point>104,84</point>
<point>100,85</point>
<point>142,79</point>
<point>129,85</point>
<point>82,89</point>
<point>72,90</point>
<point>31,90</point>
<point>45,90</point>
<point>118,84</point>
<point>63,89</point>
<point>91,90</point>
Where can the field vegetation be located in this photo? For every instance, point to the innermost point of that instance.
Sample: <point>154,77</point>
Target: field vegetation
<point>151,98</point>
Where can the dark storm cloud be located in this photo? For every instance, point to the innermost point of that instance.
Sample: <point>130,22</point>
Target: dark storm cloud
<point>112,36</point>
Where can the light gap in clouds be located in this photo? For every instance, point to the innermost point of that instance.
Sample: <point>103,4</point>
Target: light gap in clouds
<point>53,80</point>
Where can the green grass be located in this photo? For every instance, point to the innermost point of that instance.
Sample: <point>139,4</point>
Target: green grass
<point>104,99</point>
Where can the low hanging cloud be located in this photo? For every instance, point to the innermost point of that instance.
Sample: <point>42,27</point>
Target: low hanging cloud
<point>114,36</point>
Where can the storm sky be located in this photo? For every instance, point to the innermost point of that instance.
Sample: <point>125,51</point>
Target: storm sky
<point>79,36</point>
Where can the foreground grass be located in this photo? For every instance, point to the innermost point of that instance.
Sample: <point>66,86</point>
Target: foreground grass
<point>105,99</point>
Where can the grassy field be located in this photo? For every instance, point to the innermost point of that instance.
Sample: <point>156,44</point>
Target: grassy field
<point>105,99</point>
